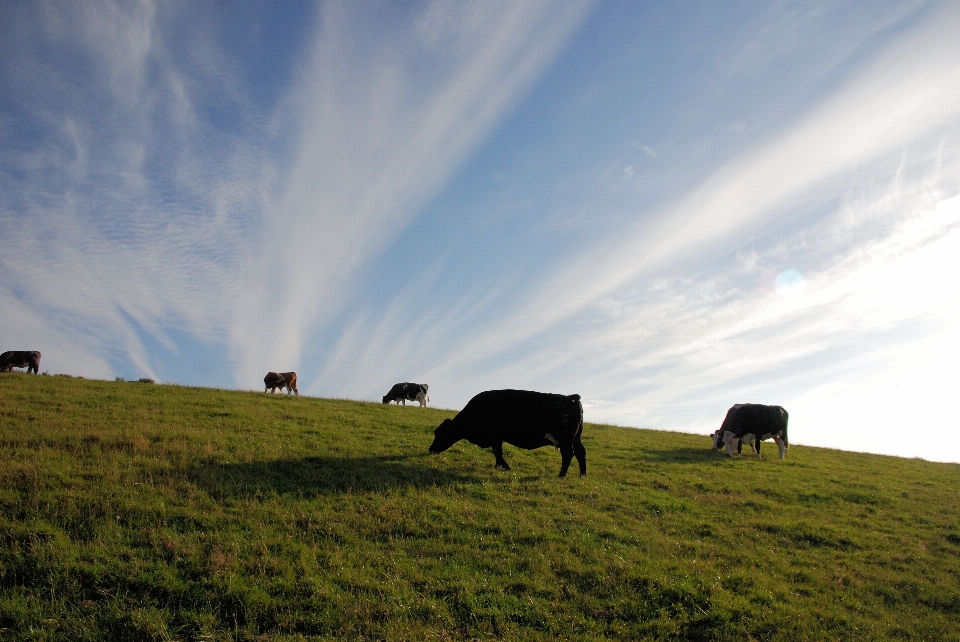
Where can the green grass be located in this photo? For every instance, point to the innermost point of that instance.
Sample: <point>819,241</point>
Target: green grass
<point>137,511</point>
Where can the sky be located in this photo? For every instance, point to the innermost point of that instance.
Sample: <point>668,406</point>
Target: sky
<point>666,207</point>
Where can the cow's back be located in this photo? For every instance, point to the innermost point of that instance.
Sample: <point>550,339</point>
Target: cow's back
<point>743,418</point>
<point>518,417</point>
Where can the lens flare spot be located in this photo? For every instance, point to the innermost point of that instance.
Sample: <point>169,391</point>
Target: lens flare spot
<point>790,283</point>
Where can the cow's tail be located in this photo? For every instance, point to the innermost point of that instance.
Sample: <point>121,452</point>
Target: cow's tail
<point>575,399</point>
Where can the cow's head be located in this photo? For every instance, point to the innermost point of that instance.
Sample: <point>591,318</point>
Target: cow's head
<point>731,442</point>
<point>781,444</point>
<point>717,439</point>
<point>385,399</point>
<point>444,436</point>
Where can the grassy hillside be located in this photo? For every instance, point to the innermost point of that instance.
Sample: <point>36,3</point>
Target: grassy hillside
<point>139,511</point>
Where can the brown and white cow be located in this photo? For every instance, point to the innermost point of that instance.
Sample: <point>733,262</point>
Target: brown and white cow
<point>281,380</point>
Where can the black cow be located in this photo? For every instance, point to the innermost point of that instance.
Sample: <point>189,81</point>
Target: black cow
<point>29,359</point>
<point>519,417</point>
<point>403,392</point>
<point>744,420</point>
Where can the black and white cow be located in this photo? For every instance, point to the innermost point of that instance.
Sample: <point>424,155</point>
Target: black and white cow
<point>403,392</point>
<point>521,418</point>
<point>29,359</point>
<point>751,423</point>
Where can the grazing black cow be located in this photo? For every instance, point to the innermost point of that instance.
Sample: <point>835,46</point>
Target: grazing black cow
<point>753,420</point>
<point>281,380</point>
<point>403,392</point>
<point>29,359</point>
<point>519,417</point>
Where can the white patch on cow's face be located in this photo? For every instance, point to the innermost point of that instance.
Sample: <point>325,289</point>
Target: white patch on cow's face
<point>731,441</point>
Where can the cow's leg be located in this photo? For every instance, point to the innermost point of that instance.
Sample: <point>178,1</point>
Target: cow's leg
<point>581,454</point>
<point>498,453</point>
<point>758,449</point>
<point>566,455</point>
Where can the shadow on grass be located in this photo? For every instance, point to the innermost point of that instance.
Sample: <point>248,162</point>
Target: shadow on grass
<point>320,476</point>
<point>684,455</point>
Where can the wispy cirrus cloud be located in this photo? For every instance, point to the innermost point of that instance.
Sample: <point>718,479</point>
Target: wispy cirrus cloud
<point>909,94</point>
<point>383,120</point>
<point>112,225</point>
<point>165,196</point>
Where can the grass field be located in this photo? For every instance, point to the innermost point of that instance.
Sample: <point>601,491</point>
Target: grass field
<point>152,512</point>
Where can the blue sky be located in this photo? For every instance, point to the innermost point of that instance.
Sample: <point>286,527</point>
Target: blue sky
<point>667,208</point>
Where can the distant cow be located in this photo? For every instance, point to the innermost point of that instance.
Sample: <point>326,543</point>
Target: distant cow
<point>281,380</point>
<point>519,417</point>
<point>756,420</point>
<point>29,359</point>
<point>403,392</point>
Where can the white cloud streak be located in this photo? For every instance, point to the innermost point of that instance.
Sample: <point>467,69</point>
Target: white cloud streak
<point>378,137</point>
<point>112,225</point>
<point>910,92</point>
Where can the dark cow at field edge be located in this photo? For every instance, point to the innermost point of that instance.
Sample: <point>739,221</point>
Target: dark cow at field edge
<point>404,392</point>
<point>281,380</point>
<point>29,359</point>
<point>521,418</point>
<point>752,423</point>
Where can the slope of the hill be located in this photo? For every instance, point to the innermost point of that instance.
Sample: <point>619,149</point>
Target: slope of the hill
<point>139,511</point>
